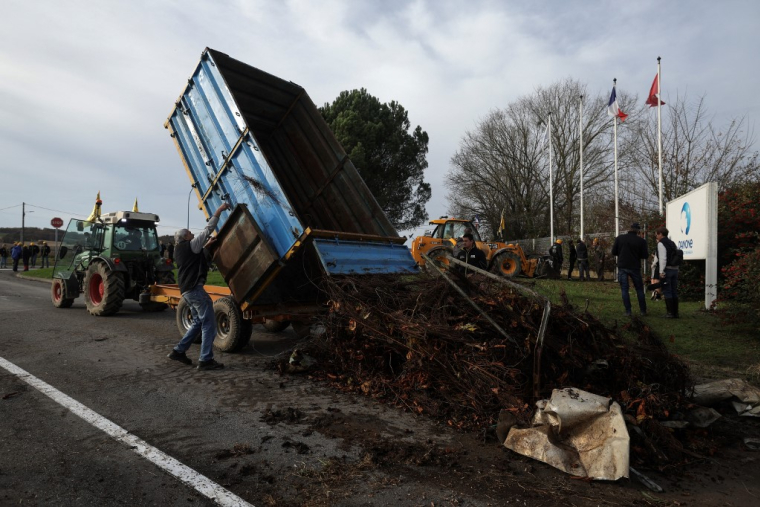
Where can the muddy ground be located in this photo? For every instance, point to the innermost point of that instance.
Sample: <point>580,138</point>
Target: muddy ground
<point>272,439</point>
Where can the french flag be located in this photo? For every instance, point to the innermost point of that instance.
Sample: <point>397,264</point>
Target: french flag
<point>613,109</point>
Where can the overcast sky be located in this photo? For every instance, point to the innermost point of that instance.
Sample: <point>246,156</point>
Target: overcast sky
<point>85,86</point>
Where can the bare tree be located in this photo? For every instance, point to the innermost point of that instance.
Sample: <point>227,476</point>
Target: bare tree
<point>694,151</point>
<point>502,164</point>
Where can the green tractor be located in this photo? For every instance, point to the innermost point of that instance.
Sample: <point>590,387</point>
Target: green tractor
<point>113,258</point>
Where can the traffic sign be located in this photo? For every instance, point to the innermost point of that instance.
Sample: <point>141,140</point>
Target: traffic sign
<point>56,222</point>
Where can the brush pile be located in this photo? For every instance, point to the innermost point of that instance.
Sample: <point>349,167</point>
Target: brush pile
<point>417,343</point>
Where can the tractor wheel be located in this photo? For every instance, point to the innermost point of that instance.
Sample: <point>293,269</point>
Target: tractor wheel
<point>56,294</point>
<point>275,326</point>
<point>103,290</point>
<point>230,326</point>
<point>440,257</point>
<point>165,278</point>
<point>507,264</point>
<point>185,319</point>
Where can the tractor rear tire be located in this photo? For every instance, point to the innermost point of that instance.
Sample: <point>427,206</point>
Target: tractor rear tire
<point>56,294</point>
<point>230,326</point>
<point>275,326</point>
<point>507,264</point>
<point>103,290</point>
<point>440,257</point>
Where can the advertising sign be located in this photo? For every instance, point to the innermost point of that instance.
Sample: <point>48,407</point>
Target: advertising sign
<point>692,222</point>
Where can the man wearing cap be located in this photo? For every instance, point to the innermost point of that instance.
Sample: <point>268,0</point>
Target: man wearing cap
<point>191,276</point>
<point>45,253</point>
<point>630,249</point>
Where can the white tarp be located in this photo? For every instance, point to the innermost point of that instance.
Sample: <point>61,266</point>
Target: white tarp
<point>744,396</point>
<point>577,432</point>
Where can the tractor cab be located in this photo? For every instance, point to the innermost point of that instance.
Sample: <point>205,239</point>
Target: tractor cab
<point>447,235</point>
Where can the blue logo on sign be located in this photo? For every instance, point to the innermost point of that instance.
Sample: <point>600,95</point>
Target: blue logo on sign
<point>685,218</point>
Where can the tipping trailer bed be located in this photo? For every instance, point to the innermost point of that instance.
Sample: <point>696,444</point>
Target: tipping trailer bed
<point>301,210</point>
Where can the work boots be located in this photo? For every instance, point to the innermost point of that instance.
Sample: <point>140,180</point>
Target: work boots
<point>672,307</point>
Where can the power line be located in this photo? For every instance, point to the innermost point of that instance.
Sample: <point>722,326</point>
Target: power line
<point>9,207</point>
<point>56,210</point>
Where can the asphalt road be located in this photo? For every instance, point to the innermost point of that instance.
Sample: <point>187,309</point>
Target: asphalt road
<point>246,427</point>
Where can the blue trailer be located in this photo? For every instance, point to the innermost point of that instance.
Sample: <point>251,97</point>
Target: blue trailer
<point>300,209</point>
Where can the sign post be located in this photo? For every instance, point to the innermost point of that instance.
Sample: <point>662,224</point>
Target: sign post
<point>57,223</point>
<point>692,221</point>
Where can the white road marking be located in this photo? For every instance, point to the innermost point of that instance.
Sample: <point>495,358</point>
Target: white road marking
<point>200,483</point>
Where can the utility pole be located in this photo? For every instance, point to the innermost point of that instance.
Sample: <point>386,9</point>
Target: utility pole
<point>23,215</point>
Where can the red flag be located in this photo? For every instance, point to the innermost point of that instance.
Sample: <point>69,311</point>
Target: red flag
<point>653,95</point>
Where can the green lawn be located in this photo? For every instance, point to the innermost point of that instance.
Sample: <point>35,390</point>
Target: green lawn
<point>713,348</point>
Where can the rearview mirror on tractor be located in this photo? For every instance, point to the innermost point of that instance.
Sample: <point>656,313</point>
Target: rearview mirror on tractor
<point>62,252</point>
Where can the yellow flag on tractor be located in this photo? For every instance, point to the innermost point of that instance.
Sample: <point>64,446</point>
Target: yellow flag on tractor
<point>96,209</point>
<point>134,208</point>
<point>502,226</point>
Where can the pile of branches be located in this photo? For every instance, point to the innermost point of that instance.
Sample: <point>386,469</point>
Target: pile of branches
<point>418,343</point>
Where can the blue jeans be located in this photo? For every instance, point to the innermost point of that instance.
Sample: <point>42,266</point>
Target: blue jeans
<point>45,261</point>
<point>638,284</point>
<point>3,262</point>
<point>202,310</point>
<point>583,273</point>
<point>670,287</point>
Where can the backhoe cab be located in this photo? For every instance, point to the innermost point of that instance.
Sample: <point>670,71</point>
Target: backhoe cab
<point>507,260</point>
<point>114,257</point>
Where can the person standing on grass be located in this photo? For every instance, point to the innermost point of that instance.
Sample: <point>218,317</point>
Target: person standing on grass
<point>470,254</point>
<point>17,253</point>
<point>630,249</point>
<point>573,257</point>
<point>582,253</point>
<point>45,254</point>
<point>191,276</point>
<point>35,250</point>
<point>666,249</point>
<point>3,256</point>
<point>26,254</point>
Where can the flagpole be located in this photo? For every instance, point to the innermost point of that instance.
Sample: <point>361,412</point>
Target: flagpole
<point>659,130</point>
<point>551,182</point>
<point>580,131</point>
<point>614,129</point>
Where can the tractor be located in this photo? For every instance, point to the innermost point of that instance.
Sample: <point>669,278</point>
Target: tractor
<point>110,258</point>
<point>508,260</point>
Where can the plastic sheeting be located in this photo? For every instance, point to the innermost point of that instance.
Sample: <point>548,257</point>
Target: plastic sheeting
<point>577,432</point>
<point>744,396</point>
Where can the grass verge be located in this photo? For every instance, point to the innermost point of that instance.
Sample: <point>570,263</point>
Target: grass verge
<point>713,348</point>
<point>214,277</point>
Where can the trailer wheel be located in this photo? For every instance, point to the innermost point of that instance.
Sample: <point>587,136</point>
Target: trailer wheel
<point>275,326</point>
<point>507,264</point>
<point>103,290</point>
<point>56,294</point>
<point>185,319</point>
<point>230,332</point>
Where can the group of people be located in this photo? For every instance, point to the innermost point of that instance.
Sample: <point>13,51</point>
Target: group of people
<point>25,254</point>
<point>630,249</point>
<point>578,254</point>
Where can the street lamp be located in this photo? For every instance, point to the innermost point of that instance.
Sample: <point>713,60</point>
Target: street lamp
<point>192,187</point>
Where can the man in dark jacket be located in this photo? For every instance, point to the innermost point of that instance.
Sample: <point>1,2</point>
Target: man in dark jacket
<point>17,253</point>
<point>191,277</point>
<point>3,256</point>
<point>555,253</point>
<point>582,253</point>
<point>471,254</point>
<point>573,257</point>
<point>630,249</point>
<point>26,254</point>
<point>667,271</point>
<point>45,253</point>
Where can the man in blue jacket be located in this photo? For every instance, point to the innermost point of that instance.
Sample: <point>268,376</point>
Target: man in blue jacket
<point>630,249</point>
<point>16,252</point>
<point>191,276</point>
